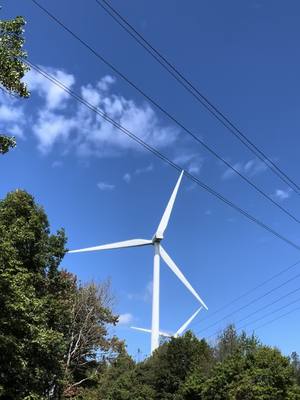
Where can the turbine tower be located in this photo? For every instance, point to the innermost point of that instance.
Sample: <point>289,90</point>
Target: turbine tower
<point>159,252</point>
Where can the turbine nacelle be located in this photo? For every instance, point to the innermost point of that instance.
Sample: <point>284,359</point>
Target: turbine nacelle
<point>157,238</point>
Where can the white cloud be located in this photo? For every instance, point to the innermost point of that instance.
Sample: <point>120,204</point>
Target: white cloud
<point>91,134</point>
<point>249,168</point>
<point>146,295</point>
<point>254,167</point>
<point>282,194</point>
<point>194,168</point>
<point>125,319</point>
<point>10,113</point>
<point>105,186</point>
<point>192,162</point>
<point>127,177</point>
<point>91,95</point>
<point>12,118</point>
<point>58,119</point>
<point>54,96</point>
<point>16,130</point>
<point>57,164</point>
<point>143,170</point>
<point>106,82</point>
<point>51,127</point>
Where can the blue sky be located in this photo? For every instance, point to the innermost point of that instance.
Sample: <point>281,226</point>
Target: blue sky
<point>101,187</point>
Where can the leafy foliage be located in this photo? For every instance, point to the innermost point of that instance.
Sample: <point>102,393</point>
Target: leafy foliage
<point>51,329</point>
<point>88,339</point>
<point>12,66</point>
<point>236,368</point>
<point>31,341</point>
<point>6,142</point>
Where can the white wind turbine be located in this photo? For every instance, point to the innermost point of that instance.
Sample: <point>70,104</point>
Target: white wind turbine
<point>159,251</point>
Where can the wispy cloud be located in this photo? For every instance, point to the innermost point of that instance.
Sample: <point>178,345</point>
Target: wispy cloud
<point>105,186</point>
<point>12,117</point>
<point>54,96</point>
<point>60,120</point>
<point>57,164</point>
<point>250,168</point>
<point>192,162</point>
<point>127,177</point>
<point>144,170</point>
<point>125,319</point>
<point>146,294</point>
<point>282,194</point>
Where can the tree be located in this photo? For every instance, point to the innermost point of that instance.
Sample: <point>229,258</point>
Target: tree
<point>173,362</point>
<point>88,340</point>
<point>120,380</point>
<point>12,66</point>
<point>295,363</point>
<point>34,301</point>
<point>251,372</point>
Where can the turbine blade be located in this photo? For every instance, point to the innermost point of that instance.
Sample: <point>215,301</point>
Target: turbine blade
<point>166,216</point>
<point>141,329</point>
<point>149,331</point>
<point>187,323</point>
<point>165,334</point>
<point>116,245</point>
<point>167,259</point>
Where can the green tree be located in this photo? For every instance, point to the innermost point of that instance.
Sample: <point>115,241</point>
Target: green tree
<point>34,300</point>
<point>119,380</point>
<point>295,363</point>
<point>12,67</point>
<point>257,374</point>
<point>173,362</point>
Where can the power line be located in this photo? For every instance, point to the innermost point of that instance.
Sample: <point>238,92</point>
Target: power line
<point>268,305</point>
<point>250,303</point>
<point>251,290</point>
<point>191,88</point>
<point>270,313</point>
<point>158,154</point>
<point>171,117</point>
<point>277,318</point>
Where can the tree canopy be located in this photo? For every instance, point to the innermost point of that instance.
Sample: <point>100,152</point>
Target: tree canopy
<point>51,328</point>
<point>12,67</point>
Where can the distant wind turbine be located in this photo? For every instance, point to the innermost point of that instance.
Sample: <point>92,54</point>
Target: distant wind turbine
<point>159,251</point>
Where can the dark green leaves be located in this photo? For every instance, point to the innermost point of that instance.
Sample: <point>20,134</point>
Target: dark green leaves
<point>12,67</point>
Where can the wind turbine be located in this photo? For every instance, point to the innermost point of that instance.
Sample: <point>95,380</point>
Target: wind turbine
<point>159,252</point>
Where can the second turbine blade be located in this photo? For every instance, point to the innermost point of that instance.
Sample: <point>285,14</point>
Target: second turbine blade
<point>168,260</point>
<point>116,245</point>
<point>166,216</point>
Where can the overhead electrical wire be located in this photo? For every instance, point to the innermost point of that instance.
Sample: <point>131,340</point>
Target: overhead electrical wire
<point>250,291</point>
<point>268,314</point>
<point>158,153</point>
<point>277,318</point>
<point>268,305</point>
<point>239,328</point>
<point>192,89</point>
<point>171,117</point>
<point>256,299</point>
